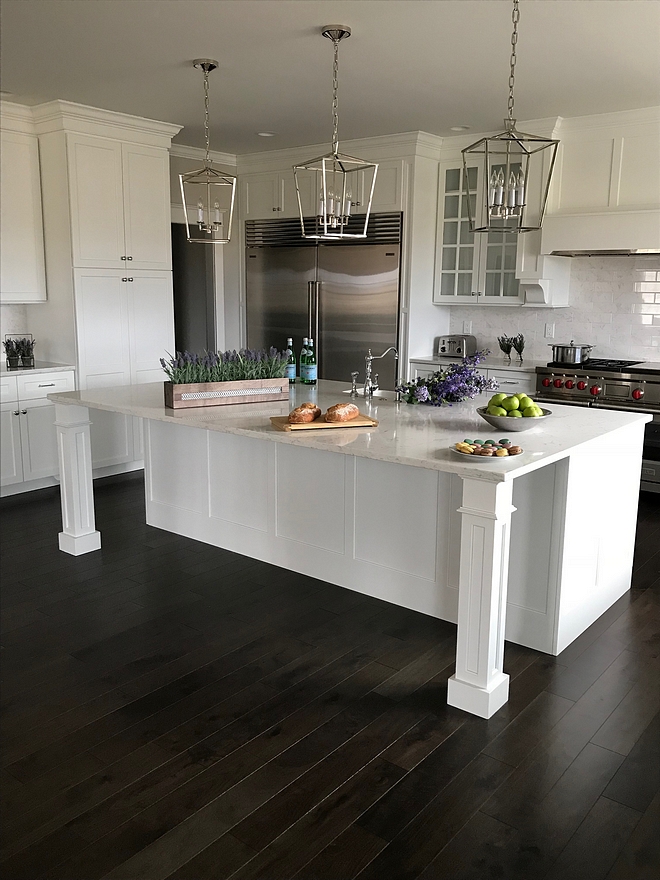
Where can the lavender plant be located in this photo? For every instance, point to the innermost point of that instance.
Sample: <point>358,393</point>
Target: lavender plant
<point>185,367</point>
<point>457,382</point>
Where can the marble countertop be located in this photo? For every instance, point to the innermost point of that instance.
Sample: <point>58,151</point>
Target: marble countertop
<point>39,367</point>
<point>420,436</point>
<point>491,363</point>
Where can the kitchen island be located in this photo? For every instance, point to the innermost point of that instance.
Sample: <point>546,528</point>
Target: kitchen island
<point>533,548</point>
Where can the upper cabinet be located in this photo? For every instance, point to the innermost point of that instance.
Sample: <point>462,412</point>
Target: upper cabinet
<point>471,269</point>
<point>120,208</point>
<point>22,273</point>
<point>273,194</point>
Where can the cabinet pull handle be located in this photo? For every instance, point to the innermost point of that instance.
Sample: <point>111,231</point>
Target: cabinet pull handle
<point>47,385</point>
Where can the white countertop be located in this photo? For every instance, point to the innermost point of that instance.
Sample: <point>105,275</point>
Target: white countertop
<point>491,363</point>
<point>417,435</point>
<point>39,367</point>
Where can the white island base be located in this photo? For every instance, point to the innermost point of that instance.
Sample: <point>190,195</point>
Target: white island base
<point>532,549</point>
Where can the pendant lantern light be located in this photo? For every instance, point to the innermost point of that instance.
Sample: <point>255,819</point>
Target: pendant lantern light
<point>208,194</point>
<point>340,180</point>
<point>515,169</point>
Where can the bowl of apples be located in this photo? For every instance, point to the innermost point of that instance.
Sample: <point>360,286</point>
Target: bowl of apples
<point>513,412</point>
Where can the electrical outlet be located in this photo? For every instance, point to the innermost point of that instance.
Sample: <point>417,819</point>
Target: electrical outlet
<point>467,327</point>
<point>549,331</point>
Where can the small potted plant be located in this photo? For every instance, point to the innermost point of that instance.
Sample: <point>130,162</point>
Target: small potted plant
<point>457,382</point>
<point>506,344</point>
<point>26,351</point>
<point>11,353</point>
<point>518,343</point>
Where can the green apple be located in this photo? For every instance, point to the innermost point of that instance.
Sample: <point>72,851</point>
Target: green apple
<point>496,410</point>
<point>510,403</point>
<point>496,399</point>
<point>530,412</point>
<point>524,402</point>
<point>515,413</point>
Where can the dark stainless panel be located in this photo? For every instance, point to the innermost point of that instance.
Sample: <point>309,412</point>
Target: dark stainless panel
<point>358,309</point>
<point>277,285</point>
<point>382,229</point>
<point>194,294</point>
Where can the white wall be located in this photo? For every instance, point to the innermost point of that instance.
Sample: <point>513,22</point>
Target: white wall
<point>13,319</point>
<point>614,304</point>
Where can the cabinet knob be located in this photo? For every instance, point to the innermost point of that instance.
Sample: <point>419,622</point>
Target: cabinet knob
<point>130,279</point>
<point>129,258</point>
<point>124,279</point>
<point>15,412</point>
<point>122,258</point>
<point>24,412</point>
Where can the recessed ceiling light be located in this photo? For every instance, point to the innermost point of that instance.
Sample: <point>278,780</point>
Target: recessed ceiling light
<point>460,128</point>
<point>266,134</point>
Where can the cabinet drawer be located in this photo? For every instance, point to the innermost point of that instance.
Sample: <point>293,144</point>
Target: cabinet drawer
<point>35,387</point>
<point>8,389</point>
<point>511,382</point>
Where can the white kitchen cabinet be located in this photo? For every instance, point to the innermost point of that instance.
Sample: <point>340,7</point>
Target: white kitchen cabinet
<point>512,381</point>
<point>388,192</point>
<point>22,272</point>
<point>471,268</point>
<point>125,324</point>
<point>28,454</point>
<point>120,211</point>
<point>264,196</point>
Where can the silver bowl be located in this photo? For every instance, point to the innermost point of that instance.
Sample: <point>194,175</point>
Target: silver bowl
<point>511,423</point>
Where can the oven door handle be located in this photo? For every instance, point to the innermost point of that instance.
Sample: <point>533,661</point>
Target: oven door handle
<point>622,407</point>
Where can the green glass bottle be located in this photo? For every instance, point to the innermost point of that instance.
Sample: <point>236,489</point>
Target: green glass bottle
<point>309,372</point>
<point>291,362</point>
<point>303,359</point>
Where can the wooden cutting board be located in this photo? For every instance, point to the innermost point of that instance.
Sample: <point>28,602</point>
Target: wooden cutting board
<point>282,423</point>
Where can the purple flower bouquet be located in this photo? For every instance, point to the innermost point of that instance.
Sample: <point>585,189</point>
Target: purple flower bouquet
<point>457,382</point>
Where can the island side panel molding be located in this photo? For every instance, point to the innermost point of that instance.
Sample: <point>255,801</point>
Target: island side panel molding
<point>79,534</point>
<point>598,521</point>
<point>238,474</point>
<point>479,684</point>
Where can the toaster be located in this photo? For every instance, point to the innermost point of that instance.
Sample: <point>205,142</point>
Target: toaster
<point>454,346</point>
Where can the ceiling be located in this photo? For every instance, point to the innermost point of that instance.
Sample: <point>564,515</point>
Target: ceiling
<point>409,65</point>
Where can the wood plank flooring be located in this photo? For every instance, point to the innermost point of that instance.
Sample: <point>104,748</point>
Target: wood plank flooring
<point>171,710</point>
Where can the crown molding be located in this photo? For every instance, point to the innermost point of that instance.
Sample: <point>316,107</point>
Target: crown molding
<point>628,118</point>
<point>69,117</point>
<point>182,151</point>
<point>16,117</point>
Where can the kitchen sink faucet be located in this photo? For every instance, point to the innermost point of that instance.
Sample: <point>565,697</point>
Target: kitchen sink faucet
<point>371,386</point>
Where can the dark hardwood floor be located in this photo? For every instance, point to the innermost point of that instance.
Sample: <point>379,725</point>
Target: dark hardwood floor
<point>171,710</point>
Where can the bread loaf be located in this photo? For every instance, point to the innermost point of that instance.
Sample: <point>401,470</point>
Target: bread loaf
<point>342,412</point>
<point>306,412</point>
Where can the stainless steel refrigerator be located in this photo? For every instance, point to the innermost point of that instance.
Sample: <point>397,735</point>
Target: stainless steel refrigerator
<point>346,296</point>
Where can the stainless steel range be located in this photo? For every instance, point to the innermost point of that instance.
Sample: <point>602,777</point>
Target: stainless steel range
<point>610,384</point>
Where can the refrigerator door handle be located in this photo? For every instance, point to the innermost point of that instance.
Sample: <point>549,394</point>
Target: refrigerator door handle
<point>317,346</point>
<point>311,302</point>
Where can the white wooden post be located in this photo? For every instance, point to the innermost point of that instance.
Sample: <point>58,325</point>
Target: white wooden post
<point>479,684</point>
<point>78,534</point>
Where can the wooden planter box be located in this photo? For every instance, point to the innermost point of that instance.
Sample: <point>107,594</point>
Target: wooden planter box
<point>220,393</point>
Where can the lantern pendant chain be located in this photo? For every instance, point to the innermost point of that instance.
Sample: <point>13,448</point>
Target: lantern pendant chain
<point>207,159</point>
<point>335,99</point>
<point>515,17</point>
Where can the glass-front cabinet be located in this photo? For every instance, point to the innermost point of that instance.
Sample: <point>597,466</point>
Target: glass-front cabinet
<point>471,268</point>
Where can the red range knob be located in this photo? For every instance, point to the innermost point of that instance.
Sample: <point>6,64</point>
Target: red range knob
<point>558,383</point>
<point>570,384</point>
<point>546,382</point>
<point>638,393</point>
<point>595,390</point>
<point>581,385</point>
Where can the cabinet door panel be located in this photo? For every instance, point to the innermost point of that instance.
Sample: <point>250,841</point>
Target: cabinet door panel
<point>260,196</point>
<point>388,192</point>
<point>151,325</point>
<point>95,173</point>
<point>11,466</point>
<point>308,194</point>
<point>22,274</point>
<point>38,440</point>
<point>102,328</point>
<point>146,207</point>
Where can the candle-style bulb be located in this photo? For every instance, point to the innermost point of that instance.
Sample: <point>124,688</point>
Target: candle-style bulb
<point>511,191</point>
<point>216,213</point>
<point>520,189</point>
<point>200,213</point>
<point>492,187</point>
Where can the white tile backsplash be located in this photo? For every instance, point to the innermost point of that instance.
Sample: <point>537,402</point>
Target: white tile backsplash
<point>614,305</point>
<point>13,319</point>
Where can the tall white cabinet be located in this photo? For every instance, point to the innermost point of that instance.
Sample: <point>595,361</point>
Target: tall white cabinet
<point>106,206</point>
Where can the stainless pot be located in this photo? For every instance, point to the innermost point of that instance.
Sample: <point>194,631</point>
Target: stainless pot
<point>570,353</point>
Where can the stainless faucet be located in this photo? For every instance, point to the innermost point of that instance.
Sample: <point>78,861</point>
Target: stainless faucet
<point>369,385</point>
